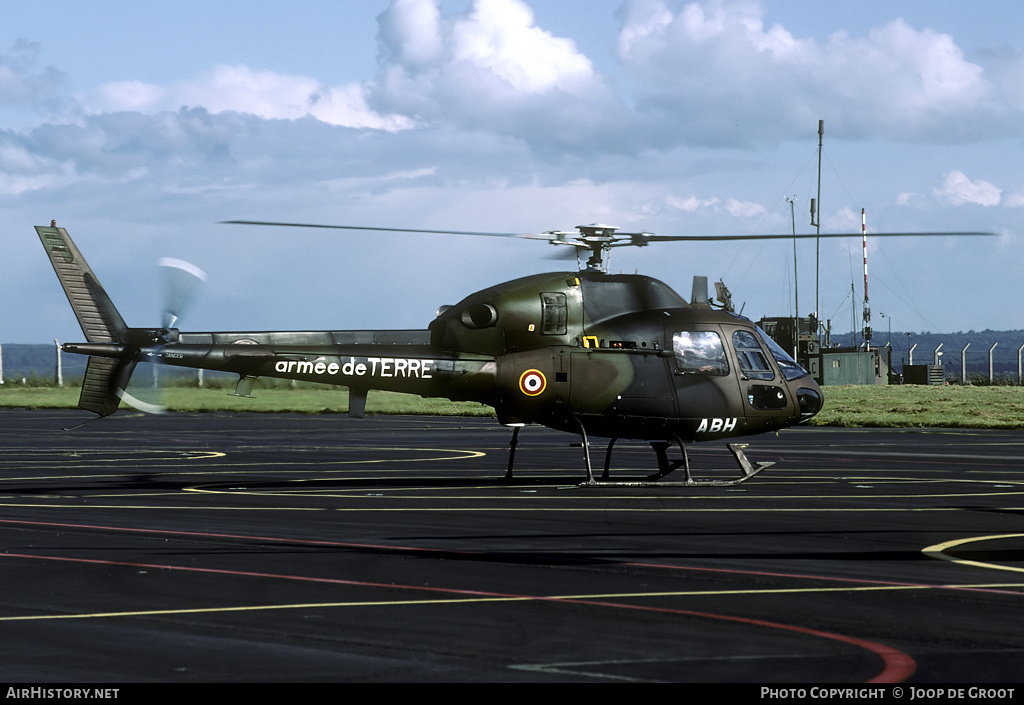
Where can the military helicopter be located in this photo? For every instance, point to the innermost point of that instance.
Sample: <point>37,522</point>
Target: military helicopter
<point>586,352</point>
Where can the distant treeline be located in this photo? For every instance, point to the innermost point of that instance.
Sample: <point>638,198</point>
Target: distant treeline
<point>37,365</point>
<point>37,362</point>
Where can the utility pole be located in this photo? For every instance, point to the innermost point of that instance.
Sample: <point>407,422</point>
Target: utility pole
<point>817,240</point>
<point>60,368</point>
<point>796,283</point>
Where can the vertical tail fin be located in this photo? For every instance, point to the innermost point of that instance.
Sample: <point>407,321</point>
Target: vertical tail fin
<point>100,321</point>
<point>105,377</point>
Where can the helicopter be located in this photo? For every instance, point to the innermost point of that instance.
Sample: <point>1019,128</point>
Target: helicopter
<point>619,356</point>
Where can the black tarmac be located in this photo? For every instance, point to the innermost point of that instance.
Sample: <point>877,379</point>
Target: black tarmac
<point>288,548</point>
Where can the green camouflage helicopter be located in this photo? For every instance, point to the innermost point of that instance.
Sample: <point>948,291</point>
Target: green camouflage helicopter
<point>586,352</point>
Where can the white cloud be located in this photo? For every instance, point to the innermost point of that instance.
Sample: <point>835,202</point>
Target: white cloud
<point>500,36</point>
<point>691,204</point>
<point>21,79</point>
<point>492,69</point>
<point>709,73</point>
<point>266,94</point>
<point>957,190</point>
<point>732,206</point>
<point>17,159</point>
<point>126,95</point>
<point>411,31</point>
<point>743,209</point>
<point>496,42</point>
<point>714,65</point>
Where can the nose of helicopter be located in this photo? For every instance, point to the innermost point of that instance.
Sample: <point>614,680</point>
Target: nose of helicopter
<point>810,399</point>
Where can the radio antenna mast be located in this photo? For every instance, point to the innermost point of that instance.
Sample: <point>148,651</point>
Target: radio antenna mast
<point>817,240</point>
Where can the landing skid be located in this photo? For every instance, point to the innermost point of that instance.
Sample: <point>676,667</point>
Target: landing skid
<point>665,466</point>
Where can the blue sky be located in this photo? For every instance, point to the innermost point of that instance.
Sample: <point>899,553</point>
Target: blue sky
<point>139,126</point>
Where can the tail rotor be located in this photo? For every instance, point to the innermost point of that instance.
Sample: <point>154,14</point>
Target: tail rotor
<point>180,282</point>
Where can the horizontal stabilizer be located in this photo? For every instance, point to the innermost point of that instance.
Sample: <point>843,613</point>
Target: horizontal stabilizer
<point>96,314</point>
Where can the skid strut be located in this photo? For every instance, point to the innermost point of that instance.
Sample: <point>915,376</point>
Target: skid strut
<point>512,451</point>
<point>665,466</point>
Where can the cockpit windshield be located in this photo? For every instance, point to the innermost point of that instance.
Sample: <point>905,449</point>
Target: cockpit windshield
<point>790,368</point>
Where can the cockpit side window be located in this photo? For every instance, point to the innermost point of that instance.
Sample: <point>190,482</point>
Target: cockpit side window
<point>753,362</point>
<point>554,313</point>
<point>699,352</point>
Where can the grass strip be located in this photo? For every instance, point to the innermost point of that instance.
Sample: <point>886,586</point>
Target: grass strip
<point>906,406</point>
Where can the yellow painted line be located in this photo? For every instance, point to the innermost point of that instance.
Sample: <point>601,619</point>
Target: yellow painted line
<point>392,493</point>
<point>937,551</point>
<point>86,457</point>
<point>456,455</point>
<point>508,598</point>
<point>480,508</point>
<point>257,608</point>
<point>157,507</point>
<point>160,464</point>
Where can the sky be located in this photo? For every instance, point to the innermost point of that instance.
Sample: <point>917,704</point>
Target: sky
<point>140,126</point>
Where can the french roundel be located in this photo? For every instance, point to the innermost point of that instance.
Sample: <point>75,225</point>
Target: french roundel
<point>532,383</point>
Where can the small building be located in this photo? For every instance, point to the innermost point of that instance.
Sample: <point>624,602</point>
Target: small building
<point>828,365</point>
<point>924,374</point>
<point>854,366</point>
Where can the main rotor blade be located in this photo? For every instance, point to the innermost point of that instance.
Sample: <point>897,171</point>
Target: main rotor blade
<point>618,239</point>
<point>379,229</point>
<point>801,236</point>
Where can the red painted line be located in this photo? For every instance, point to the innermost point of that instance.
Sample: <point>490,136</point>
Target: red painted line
<point>210,534</point>
<point>898,665</point>
<point>253,574</point>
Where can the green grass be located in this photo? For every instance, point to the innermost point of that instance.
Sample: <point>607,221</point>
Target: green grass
<point>912,406</point>
<point>304,400</point>
<point>860,406</point>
